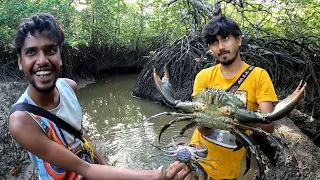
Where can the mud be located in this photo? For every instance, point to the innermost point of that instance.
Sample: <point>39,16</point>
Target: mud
<point>303,160</point>
<point>11,154</point>
<point>295,133</point>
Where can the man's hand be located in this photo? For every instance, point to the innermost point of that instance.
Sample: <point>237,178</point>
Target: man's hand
<point>176,171</point>
<point>204,130</point>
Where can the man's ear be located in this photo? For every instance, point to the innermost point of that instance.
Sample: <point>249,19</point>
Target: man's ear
<point>60,55</point>
<point>19,62</point>
<point>239,40</point>
<point>60,61</point>
<point>210,49</point>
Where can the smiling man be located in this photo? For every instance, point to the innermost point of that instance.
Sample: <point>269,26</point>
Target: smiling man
<point>223,37</point>
<point>58,153</point>
<point>43,76</point>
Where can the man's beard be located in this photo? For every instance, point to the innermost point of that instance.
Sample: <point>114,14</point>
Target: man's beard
<point>43,90</point>
<point>228,61</point>
<point>47,89</point>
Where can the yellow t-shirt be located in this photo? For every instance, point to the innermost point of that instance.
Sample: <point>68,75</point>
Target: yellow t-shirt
<point>258,88</point>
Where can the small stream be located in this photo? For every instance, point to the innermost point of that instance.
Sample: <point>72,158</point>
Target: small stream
<point>112,114</point>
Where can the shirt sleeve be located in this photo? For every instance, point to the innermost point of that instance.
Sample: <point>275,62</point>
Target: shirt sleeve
<point>265,90</point>
<point>199,83</point>
<point>195,137</point>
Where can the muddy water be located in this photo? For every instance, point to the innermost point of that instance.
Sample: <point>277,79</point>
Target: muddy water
<point>115,116</point>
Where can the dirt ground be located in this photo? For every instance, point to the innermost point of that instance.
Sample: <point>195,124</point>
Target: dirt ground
<point>303,160</point>
<point>295,133</point>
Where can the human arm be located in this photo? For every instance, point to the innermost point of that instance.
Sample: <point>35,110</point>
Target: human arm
<point>266,96</point>
<point>74,87</point>
<point>31,137</point>
<point>265,107</point>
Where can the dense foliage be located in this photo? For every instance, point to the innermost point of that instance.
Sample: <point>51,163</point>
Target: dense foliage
<point>139,23</point>
<point>102,34</point>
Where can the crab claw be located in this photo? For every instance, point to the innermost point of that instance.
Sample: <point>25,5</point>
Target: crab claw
<point>164,87</point>
<point>282,109</point>
<point>285,106</point>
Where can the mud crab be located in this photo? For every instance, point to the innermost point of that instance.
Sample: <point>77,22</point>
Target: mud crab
<point>222,110</point>
<point>189,154</point>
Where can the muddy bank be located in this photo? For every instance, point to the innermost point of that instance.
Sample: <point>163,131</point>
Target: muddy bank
<point>84,82</point>
<point>11,154</point>
<point>83,61</point>
<point>303,160</point>
<point>301,148</point>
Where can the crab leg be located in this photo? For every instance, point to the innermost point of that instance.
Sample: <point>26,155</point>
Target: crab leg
<point>202,149</point>
<point>248,160</point>
<point>239,141</point>
<point>281,146</point>
<point>244,144</point>
<point>174,146</point>
<point>165,114</point>
<point>253,147</point>
<point>197,158</point>
<point>174,143</point>
<point>185,118</point>
<point>273,139</point>
<point>203,162</point>
<point>188,126</point>
<point>198,169</point>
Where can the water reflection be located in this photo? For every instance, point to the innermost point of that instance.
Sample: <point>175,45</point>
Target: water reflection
<point>111,112</point>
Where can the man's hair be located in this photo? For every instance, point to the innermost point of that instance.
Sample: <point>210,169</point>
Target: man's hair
<point>219,26</point>
<point>38,22</point>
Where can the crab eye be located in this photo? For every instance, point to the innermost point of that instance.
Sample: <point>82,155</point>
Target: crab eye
<point>195,106</point>
<point>198,106</point>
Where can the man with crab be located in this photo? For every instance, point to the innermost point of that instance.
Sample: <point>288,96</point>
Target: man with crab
<point>223,37</point>
<point>229,99</point>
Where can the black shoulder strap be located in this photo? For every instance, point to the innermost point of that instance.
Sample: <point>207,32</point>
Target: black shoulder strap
<point>240,80</point>
<point>42,112</point>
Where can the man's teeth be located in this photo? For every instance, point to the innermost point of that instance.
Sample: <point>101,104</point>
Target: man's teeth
<point>42,73</point>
